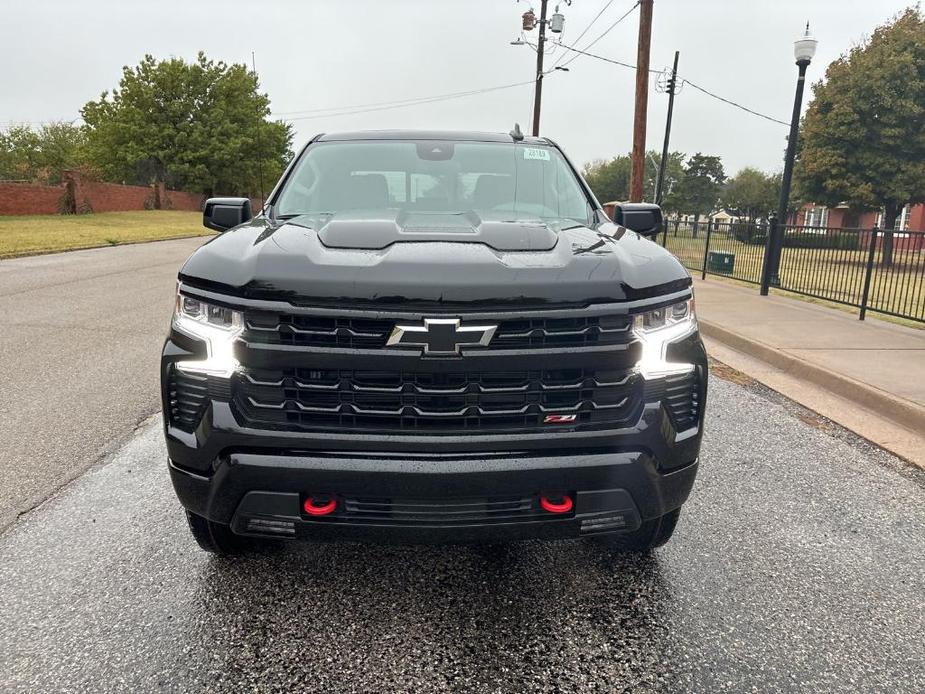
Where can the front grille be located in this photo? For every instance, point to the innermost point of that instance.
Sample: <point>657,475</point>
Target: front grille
<point>395,401</point>
<point>441,512</point>
<point>368,333</point>
<point>188,396</point>
<point>316,331</point>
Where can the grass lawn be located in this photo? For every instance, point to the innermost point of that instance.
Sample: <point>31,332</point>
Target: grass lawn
<point>31,235</point>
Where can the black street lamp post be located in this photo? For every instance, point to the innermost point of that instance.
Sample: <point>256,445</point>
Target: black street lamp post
<point>803,50</point>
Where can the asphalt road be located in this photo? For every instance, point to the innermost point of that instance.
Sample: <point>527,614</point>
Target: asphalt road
<point>78,359</point>
<point>798,565</point>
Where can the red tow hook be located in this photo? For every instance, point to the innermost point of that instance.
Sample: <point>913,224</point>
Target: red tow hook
<point>316,507</point>
<point>562,504</point>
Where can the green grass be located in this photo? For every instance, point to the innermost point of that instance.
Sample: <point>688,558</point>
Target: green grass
<point>32,235</point>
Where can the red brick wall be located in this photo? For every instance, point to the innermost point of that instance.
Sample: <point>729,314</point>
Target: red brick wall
<point>111,197</point>
<point>22,198</point>
<point>94,196</point>
<point>179,200</point>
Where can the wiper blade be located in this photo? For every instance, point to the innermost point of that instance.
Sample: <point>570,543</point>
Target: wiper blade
<point>301,214</point>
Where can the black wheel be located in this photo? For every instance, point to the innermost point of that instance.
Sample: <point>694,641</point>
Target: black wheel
<point>651,534</point>
<point>215,537</point>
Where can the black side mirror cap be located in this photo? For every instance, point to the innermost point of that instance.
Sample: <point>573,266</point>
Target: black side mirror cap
<point>642,217</point>
<point>221,214</point>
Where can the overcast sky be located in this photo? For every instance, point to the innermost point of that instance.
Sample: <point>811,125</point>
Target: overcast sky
<point>319,54</point>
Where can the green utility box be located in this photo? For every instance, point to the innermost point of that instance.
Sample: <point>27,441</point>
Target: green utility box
<point>721,262</point>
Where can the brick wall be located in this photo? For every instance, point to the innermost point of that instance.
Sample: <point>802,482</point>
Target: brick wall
<point>94,196</point>
<point>178,200</point>
<point>22,198</point>
<point>111,197</point>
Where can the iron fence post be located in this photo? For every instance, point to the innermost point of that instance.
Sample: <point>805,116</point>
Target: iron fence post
<point>768,252</point>
<point>706,252</point>
<point>869,271</point>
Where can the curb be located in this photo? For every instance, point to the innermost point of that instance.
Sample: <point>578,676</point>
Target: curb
<point>886,405</point>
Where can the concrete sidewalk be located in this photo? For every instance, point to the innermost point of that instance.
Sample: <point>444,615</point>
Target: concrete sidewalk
<point>871,373</point>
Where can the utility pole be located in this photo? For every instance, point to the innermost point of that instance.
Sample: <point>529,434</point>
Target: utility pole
<point>538,91</point>
<point>638,170</point>
<point>257,136</point>
<point>671,88</point>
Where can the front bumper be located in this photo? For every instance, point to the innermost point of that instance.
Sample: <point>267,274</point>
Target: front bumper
<point>261,494</point>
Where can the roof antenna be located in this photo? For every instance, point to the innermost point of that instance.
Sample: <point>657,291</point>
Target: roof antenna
<point>516,135</point>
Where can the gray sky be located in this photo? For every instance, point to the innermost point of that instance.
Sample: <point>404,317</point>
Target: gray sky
<point>319,54</point>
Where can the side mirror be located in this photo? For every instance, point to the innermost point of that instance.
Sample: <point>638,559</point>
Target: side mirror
<point>221,214</point>
<point>642,217</point>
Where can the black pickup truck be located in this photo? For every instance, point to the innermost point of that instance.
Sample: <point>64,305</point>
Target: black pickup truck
<point>432,337</point>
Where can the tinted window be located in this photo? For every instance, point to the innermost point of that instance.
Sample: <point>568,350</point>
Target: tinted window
<point>495,179</point>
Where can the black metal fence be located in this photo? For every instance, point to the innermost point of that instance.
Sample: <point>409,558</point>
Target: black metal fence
<point>871,269</point>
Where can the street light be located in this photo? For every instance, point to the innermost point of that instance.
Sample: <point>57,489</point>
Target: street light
<point>804,49</point>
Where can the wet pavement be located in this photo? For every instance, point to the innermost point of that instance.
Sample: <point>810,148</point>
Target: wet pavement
<point>798,565</point>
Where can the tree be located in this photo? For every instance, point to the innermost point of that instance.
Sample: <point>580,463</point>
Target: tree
<point>199,126</point>
<point>752,191</point>
<point>610,180</point>
<point>863,136</point>
<point>41,156</point>
<point>674,174</point>
<point>700,186</point>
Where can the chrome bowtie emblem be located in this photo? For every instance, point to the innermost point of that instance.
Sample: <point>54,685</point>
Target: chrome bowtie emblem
<point>441,335</point>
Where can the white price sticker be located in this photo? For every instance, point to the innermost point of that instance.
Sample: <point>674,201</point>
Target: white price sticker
<point>536,153</point>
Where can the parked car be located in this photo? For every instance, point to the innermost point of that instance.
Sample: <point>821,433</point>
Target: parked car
<point>432,337</point>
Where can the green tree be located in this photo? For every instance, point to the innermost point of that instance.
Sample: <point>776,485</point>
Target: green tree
<point>199,126</point>
<point>41,156</point>
<point>752,191</point>
<point>610,180</point>
<point>674,175</point>
<point>863,136</point>
<point>700,187</point>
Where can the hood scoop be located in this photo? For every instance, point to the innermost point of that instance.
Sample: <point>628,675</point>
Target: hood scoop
<point>377,231</point>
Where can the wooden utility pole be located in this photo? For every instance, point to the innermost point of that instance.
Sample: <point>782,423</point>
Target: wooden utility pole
<point>538,91</point>
<point>638,170</point>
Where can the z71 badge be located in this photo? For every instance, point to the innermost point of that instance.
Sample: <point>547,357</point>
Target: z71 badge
<point>560,418</point>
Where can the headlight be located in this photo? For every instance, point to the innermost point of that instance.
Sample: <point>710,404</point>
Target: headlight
<point>656,330</point>
<point>217,326</point>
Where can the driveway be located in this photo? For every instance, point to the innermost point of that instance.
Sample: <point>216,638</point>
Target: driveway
<point>798,565</point>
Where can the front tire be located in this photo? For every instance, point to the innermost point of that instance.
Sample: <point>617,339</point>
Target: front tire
<point>651,534</point>
<point>213,537</point>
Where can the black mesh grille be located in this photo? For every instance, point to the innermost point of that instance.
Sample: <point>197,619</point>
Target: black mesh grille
<point>391,401</point>
<point>188,395</point>
<point>364,333</point>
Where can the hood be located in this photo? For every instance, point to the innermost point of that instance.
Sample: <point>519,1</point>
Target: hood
<point>462,260</point>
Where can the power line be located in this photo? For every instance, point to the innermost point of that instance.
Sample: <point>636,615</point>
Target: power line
<point>384,106</point>
<point>602,35</point>
<point>590,24</point>
<point>733,103</point>
<point>683,81</point>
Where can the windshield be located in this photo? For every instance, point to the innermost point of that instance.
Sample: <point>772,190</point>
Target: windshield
<point>499,180</point>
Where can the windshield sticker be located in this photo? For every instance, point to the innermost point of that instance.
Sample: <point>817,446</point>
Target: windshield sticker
<point>535,153</point>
